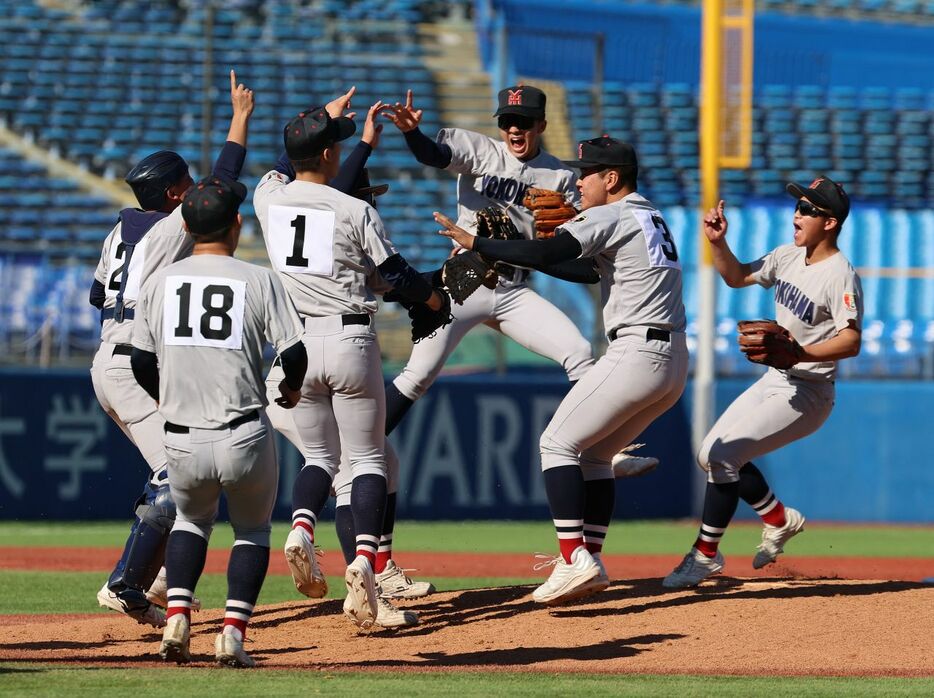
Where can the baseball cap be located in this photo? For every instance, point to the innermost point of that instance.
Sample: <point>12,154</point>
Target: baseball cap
<point>309,133</point>
<point>603,151</point>
<point>211,205</point>
<point>362,189</point>
<point>523,100</point>
<point>824,193</point>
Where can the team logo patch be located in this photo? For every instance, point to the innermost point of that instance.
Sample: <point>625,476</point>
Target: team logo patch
<point>849,301</point>
<point>579,219</point>
<point>816,182</point>
<point>515,97</point>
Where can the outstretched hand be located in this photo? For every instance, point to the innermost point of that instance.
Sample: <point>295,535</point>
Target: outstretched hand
<point>371,129</point>
<point>405,116</point>
<point>715,223</point>
<point>454,232</point>
<point>338,105</point>
<point>241,97</point>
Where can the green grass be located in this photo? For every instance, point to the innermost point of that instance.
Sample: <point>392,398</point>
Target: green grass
<point>626,537</point>
<point>38,679</point>
<point>75,592</point>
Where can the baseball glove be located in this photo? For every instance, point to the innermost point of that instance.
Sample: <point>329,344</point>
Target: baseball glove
<point>549,210</point>
<point>425,321</point>
<point>465,272</point>
<point>767,342</point>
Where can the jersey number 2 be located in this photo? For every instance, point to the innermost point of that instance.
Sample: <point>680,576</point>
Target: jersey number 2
<point>117,276</point>
<point>211,311</point>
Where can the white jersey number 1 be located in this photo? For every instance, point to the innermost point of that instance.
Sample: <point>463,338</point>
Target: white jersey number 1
<point>203,311</point>
<point>301,240</point>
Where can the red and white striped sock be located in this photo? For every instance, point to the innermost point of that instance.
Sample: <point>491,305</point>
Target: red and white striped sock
<point>383,553</point>
<point>237,615</point>
<point>367,546</point>
<point>594,536</point>
<point>305,519</point>
<point>771,510</point>
<point>570,536</point>
<point>708,539</point>
<point>179,602</point>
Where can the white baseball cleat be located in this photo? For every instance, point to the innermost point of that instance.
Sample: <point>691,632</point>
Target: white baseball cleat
<point>601,581</point>
<point>694,568</point>
<point>159,591</point>
<point>301,555</point>
<point>175,637</point>
<point>228,651</point>
<point>627,465</point>
<point>388,616</point>
<point>775,537</point>
<point>567,582</point>
<point>141,610</point>
<point>395,584</point>
<point>360,605</point>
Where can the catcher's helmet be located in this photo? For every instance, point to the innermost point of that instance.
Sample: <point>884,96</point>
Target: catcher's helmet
<point>153,175</point>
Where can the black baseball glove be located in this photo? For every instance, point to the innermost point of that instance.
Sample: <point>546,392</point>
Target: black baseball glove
<point>466,271</point>
<point>425,321</point>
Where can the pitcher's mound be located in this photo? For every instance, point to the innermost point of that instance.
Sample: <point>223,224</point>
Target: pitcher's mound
<point>758,626</point>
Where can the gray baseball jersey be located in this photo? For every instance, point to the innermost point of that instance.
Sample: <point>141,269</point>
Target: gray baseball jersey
<point>323,243</point>
<point>489,175</point>
<point>645,367</point>
<point>166,242</point>
<point>640,272</point>
<point>208,318</point>
<point>812,301</point>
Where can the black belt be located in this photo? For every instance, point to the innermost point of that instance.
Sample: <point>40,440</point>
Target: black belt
<point>243,419</point>
<point>109,314</point>
<point>356,319</point>
<point>122,350</point>
<point>650,333</point>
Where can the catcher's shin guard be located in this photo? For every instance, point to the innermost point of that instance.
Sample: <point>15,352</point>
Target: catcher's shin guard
<point>144,551</point>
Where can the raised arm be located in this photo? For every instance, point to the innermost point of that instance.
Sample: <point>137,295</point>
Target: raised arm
<point>230,160</point>
<point>734,273</point>
<point>353,164</point>
<point>407,119</point>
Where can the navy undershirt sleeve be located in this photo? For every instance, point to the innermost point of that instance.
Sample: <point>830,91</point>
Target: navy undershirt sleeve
<point>145,367</point>
<point>405,280</point>
<point>352,168</point>
<point>97,294</point>
<point>230,161</point>
<point>530,253</point>
<point>294,362</point>
<point>427,151</point>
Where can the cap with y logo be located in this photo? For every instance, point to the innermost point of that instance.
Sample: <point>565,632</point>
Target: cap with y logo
<point>523,100</point>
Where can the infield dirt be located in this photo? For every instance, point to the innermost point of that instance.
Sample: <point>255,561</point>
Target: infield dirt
<point>751,626</point>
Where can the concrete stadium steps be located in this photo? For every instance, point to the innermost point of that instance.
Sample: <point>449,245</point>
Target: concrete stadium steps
<point>464,90</point>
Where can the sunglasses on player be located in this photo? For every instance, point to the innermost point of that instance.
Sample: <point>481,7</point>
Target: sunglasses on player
<point>806,208</point>
<point>507,121</point>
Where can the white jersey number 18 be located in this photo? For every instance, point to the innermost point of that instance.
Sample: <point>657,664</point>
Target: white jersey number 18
<point>203,311</point>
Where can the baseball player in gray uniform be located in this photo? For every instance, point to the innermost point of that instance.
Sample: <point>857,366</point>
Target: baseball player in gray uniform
<point>642,373</point>
<point>198,351</point>
<point>143,241</point>
<point>325,244</point>
<point>819,300</point>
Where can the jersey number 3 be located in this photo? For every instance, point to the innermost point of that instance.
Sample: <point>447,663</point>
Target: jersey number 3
<point>204,311</point>
<point>659,241</point>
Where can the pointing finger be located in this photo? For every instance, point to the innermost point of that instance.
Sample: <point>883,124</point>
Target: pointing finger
<point>233,80</point>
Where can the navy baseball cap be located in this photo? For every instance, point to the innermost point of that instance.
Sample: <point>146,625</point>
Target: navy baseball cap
<point>824,193</point>
<point>603,152</point>
<point>309,133</point>
<point>523,100</point>
<point>211,205</point>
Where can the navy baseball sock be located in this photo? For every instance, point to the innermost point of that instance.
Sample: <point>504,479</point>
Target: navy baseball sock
<point>384,553</point>
<point>566,498</point>
<point>598,511</point>
<point>310,493</point>
<point>397,405</point>
<point>720,502</point>
<point>343,522</point>
<point>246,571</point>
<point>755,491</point>
<point>368,503</point>
<point>185,554</point>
